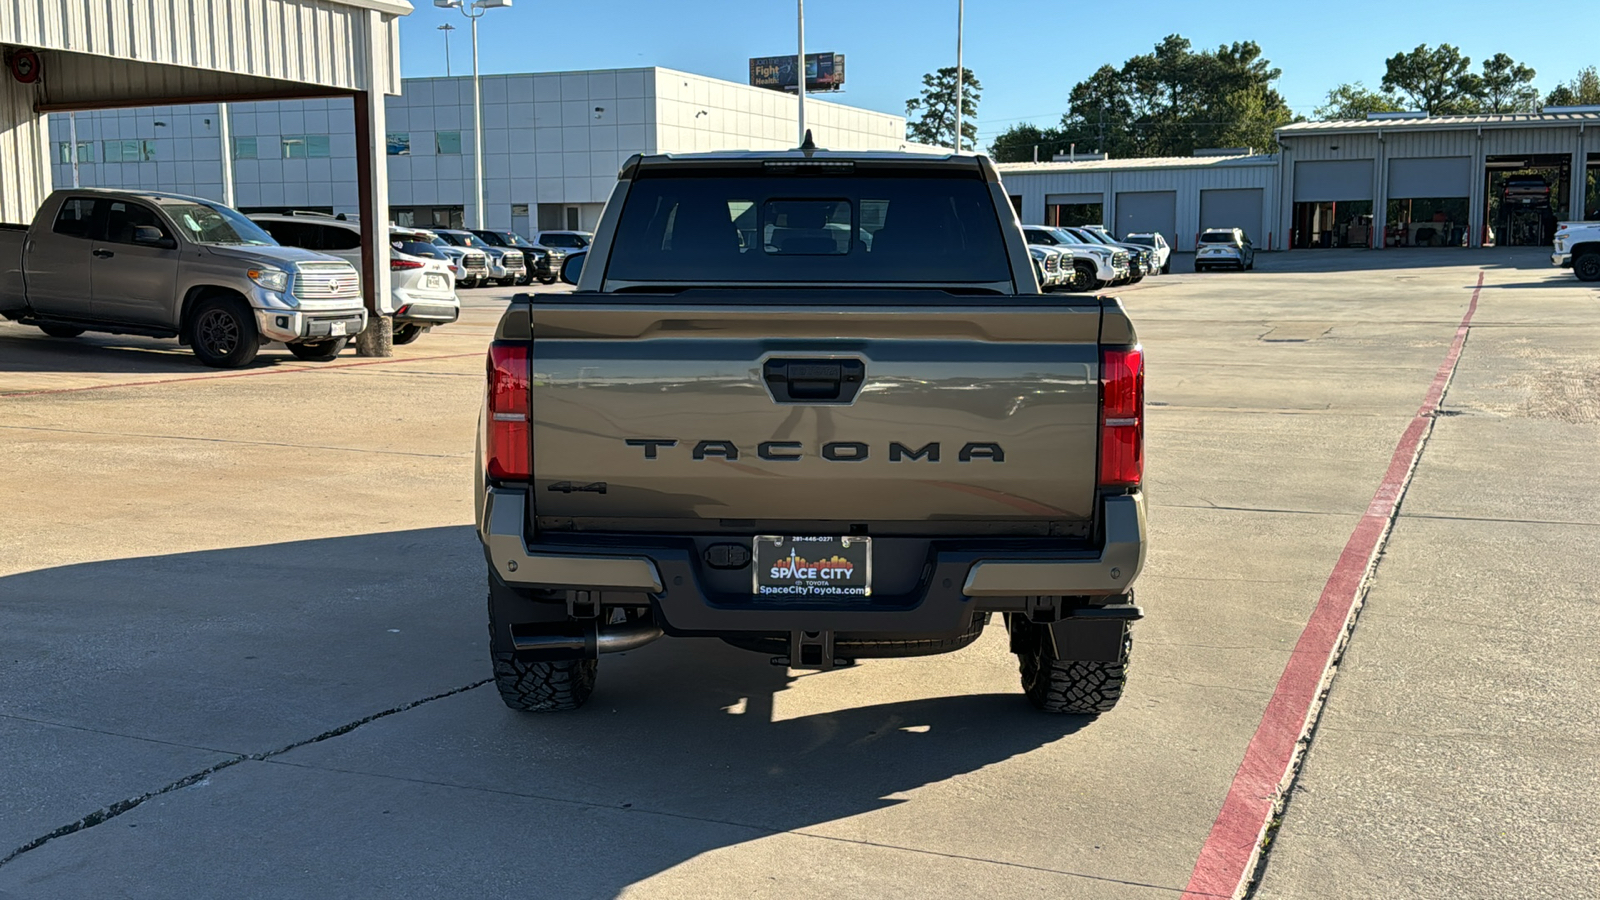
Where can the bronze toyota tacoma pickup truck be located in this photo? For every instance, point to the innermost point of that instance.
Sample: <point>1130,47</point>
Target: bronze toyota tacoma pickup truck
<point>811,403</point>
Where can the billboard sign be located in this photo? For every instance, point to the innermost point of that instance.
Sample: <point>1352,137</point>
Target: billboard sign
<point>824,72</point>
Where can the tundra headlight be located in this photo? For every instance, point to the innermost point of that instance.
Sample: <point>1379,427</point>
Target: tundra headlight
<point>271,279</point>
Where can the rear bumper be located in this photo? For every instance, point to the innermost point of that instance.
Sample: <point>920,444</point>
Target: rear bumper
<point>956,581</point>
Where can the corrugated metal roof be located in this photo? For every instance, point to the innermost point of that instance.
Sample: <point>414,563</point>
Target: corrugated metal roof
<point>1153,162</point>
<point>1436,123</point>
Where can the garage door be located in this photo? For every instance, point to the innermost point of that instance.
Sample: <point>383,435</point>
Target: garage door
<point>1145,211</point>
<point>1332,180</point>
<point>1235,208</point>
<point>1433,176</point>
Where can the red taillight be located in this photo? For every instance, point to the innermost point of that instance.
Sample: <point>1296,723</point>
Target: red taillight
<point>396,265</point>
<point>1122,417</point>
<point>508,448</point>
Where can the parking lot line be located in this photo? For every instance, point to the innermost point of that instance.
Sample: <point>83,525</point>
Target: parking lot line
<point>273,371</point>
<point>1228,857</point>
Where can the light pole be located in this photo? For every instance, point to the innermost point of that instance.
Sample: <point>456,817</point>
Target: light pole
<point>800,61</point>
<point>474,13</point>
<point>961,14</point>
<point>447,28</point>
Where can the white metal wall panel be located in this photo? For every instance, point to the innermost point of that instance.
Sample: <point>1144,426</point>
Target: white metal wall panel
<point>24,153</point>
<point>1141,211</point>
<point>1440,176</point>
<point>1233,208</point>
<point>307,41</point>
<point>1320,181</point>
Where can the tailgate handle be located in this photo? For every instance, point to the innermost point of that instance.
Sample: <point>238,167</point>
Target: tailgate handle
<point>814,380</point>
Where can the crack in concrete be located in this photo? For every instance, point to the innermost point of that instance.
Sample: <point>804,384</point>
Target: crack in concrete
<point>630,808</point>
<point>111,811</point>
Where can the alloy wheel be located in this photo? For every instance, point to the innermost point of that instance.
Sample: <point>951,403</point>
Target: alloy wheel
<point>219,332</point>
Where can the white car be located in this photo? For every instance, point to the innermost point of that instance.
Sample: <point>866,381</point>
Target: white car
<point>1093,265</point>
<point>1224,248</point>
<point>421,286</point>
<point>1050,266</point>
<point>506,266</point>
<point>421,283</point>
<point>1155,241</point>
<point>1577,247</point>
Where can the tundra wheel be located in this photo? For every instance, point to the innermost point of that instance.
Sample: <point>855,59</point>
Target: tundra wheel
<point>1587,266</point>
<point>319,351</point>
<point>543,686</point>
<point>1082,278</point>
<point>223,333</point>
<point>1070,686</point>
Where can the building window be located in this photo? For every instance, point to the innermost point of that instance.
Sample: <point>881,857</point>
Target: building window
<point>85,152</point>
<point>305,146</point>
<point>404,217</point>
<point>399,143</point>
<point>129,151</point>
<point>244,148</point>
<point>447,143</point>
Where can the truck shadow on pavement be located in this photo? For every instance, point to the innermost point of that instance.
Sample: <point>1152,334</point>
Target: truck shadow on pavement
<point>24,349</point>
<point>304,663</point>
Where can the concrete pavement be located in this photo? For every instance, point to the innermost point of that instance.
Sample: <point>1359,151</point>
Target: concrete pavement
<point>226,601</point>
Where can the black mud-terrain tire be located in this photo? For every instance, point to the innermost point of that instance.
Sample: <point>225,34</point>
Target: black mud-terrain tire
<point>319,351</point>
<point>222,333</point>
<point>1071,686</point>
<point>543,686</point>
<point>406,333</point>
<point>61,331</point>
<point>1587,266</point>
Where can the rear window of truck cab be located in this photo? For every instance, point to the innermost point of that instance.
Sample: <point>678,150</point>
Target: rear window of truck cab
<point>760,227</point>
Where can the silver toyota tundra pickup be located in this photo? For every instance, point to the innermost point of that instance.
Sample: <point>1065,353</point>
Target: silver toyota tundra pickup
<point>813,404</point>
<point>166,265</point>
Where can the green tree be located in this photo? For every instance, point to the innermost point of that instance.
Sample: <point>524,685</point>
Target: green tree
<point>931,117</point>
<point>1355,101</point>
<point>1507,86</point>
<point>1584,90</point>
<point>1173,100</point>
<point>1017,144</point>
<point>1437,80</point>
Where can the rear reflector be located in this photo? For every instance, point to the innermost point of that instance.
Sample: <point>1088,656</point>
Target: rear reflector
<point>508,449</point>
<point>1122,417</point>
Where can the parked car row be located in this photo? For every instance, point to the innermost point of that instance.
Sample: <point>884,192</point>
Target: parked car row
<point>1081,261</point>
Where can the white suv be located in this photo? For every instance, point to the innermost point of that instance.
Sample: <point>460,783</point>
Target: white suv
<point>1155,241</point>
<point>421,286</point>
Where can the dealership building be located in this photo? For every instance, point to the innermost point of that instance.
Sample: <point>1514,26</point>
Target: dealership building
<point>553,143</point>
<point>1392,180</point>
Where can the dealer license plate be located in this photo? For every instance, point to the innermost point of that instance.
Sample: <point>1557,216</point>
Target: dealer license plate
<point>813,566</point>
<point>336,329</point>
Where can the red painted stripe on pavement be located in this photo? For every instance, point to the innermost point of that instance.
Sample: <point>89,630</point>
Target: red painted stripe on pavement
<point>1228,857</point>
<point>280,371</point>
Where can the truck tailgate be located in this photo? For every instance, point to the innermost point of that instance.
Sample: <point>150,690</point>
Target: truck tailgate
<point>684,411</point>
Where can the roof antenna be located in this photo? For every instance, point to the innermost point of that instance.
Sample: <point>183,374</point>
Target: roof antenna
<point>808,145</point>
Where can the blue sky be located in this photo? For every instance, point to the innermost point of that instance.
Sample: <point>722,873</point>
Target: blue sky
<point>1026,62</point>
